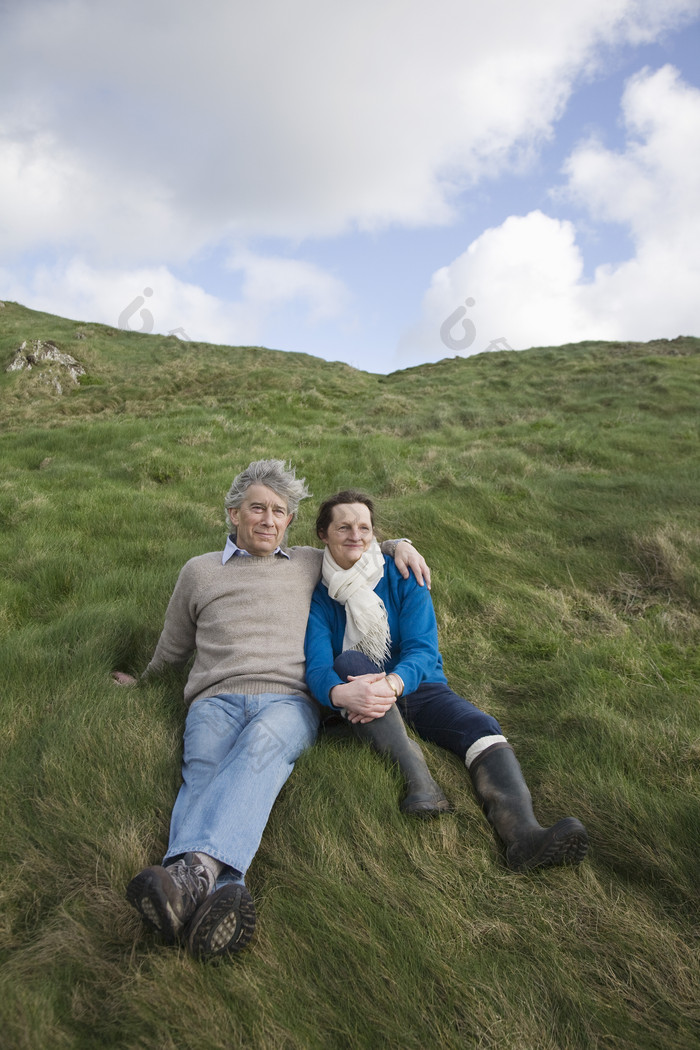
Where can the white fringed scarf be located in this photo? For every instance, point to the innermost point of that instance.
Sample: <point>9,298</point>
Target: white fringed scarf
<point>366,623</point>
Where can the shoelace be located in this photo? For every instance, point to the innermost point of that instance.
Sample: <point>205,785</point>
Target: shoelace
<point>190,878</point>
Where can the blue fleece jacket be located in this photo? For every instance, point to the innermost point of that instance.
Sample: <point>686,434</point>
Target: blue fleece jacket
<point>414,642</point>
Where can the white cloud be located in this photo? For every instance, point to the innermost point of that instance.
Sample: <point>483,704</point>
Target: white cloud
<point>526,276</point>
<point>145,130</point>
<point>271,282</point>
<point>50,195</point>
<point>117,297</point>
<point>76,289</point>
<point>139,138</point>
<point>653,186</point>
<point>523,278</point>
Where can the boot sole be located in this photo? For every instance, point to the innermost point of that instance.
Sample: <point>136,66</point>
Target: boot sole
<point>145,892</point>
<point>223,925</point>
<point>425,807</point>
<point>566,842</point>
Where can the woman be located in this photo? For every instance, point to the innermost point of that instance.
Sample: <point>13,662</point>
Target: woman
<point>371,648</point>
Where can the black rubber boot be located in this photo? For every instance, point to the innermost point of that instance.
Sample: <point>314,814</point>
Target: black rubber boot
<point>388,736</point>
<point>502,791</point>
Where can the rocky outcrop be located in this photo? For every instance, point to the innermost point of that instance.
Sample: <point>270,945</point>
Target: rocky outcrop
<point>49,366</point>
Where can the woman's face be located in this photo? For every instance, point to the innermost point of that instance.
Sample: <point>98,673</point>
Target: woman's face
<point>350,533</point>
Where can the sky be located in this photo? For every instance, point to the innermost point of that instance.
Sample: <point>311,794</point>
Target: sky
<point>385,183</point>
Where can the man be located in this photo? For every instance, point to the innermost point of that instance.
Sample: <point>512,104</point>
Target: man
<point>244,614</point>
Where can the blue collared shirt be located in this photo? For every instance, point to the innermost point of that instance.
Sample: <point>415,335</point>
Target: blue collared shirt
<point>231,550</point>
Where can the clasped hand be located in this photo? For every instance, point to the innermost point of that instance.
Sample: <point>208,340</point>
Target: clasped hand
<point>364,697</point>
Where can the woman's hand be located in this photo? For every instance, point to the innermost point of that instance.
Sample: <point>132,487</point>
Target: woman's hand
<point>364,697</point>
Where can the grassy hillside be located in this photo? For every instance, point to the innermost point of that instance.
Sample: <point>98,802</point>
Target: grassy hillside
<point>555,495</point>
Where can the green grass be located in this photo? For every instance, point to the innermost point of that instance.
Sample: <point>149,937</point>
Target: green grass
<point>555,495</point>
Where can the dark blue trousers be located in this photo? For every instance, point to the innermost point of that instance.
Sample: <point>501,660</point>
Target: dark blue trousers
<point>433,710</point>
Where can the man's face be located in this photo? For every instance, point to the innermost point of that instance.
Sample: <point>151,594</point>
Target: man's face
<point>261,521</point>
<point>350,533</point>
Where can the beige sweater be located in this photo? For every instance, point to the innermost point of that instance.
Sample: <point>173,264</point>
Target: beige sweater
<point>245,619</point>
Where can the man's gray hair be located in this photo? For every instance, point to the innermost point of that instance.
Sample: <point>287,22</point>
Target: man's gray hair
<point>273,474</point>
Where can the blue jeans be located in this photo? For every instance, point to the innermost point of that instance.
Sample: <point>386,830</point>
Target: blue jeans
<point>239,751</point>
<point>433,710</point>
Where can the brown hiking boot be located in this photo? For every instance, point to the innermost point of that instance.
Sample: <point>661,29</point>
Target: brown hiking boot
<point>223,924</point>
<point>168,897</point>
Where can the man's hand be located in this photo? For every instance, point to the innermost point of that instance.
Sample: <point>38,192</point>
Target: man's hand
<point>364,697</point>
<point>407,557</point>
<point>121,678</point>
